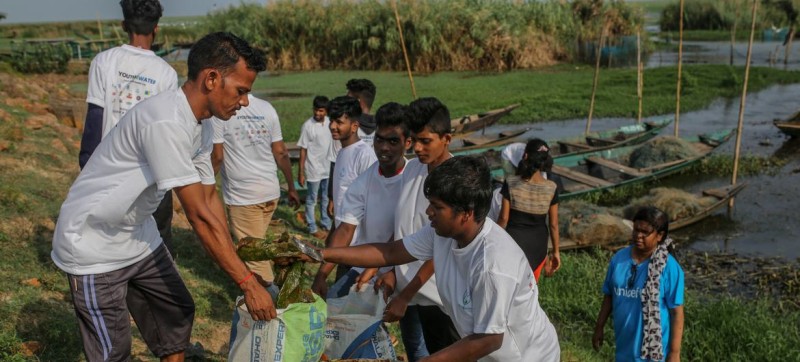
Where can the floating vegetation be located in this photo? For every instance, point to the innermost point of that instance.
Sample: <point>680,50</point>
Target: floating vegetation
<point>294,287</point>
<point>749,165</point>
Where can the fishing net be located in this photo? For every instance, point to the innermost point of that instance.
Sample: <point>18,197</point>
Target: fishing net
<point>678,204</point>
<point>661,150</point>
<point>589,224</point>
<point>294,288</point>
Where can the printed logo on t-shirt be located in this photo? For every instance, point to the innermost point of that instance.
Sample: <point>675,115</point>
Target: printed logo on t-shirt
<point>628,293</point>
<point>130,89</point>
<point>466,300</point>
<point>252,129</point>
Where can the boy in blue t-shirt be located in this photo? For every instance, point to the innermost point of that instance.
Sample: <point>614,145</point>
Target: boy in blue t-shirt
<point>644,289</point>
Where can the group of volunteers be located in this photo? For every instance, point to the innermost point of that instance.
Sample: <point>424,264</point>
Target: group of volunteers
<point>457,258</point>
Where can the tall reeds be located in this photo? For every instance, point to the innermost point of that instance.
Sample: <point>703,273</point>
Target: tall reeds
<point>440,35</point>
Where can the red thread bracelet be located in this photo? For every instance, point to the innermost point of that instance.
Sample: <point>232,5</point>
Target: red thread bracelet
<point>246,278</point>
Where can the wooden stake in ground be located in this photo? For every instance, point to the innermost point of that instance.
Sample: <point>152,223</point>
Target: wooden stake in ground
<point>639,73</point>
<point>788,49</point>
<point>680,63</point>
<point>597,54</point>
<point>739,129</point>
<point>733,29</point>
<point>405,52</point>
<point>99,26</point>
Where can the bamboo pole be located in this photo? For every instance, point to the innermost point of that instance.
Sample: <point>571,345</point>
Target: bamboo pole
<point>405,52</point>
<point>596,75</point>
<point>738,148</point>
<point>733,30</point>
<point>99,27</point>
<point>680,63</point>
<point>788,49</point>
<point>639,73</point>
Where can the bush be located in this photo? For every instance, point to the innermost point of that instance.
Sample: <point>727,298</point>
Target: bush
<point>41,58</point>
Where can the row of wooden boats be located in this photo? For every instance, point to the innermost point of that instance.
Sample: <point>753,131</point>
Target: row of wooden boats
<point>596,162</point>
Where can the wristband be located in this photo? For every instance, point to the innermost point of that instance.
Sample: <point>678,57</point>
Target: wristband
<point>246,278</point>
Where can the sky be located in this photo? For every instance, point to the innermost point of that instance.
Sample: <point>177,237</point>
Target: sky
<point>37,11</point>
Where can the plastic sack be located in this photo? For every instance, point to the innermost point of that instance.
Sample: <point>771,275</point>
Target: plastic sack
<point>355,327</point>
<point>296,335</point>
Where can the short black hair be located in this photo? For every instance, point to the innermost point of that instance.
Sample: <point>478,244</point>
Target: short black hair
<point>363,89</point>
<point>429,112</point>
<point>141,16</point>
<point>321,102</point>
<point>658,219</point>
<point>221,51</point>
<point>344,105</point>
<point>394,114</point>
<point>464,183</point>
<point>538,159</point>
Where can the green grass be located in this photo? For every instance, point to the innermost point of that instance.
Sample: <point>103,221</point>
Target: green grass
<point>717,328</point>
<point>553,93</point>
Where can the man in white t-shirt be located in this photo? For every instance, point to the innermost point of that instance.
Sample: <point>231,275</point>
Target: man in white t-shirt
<point>249,150</point>
<point>363,90</point>
<point>354,158</point>
<point>314,168</point>
<point>121,77</point>
<point>485,283</point>
<point>369,201</point>
<point>106,240</point>
<point>424,325</point>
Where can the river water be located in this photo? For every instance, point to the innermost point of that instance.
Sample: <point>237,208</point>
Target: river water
<point>765,220</point>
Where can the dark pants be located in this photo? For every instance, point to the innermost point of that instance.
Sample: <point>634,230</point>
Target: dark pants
<point>161,306</point>
<point>437,328</point>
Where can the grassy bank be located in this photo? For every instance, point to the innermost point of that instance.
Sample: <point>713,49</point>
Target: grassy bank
<point>553,93</point>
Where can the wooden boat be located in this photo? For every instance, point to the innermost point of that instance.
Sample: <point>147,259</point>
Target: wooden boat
<point>594,141</point>
<point>605,170</point>
<point>789,126</point>
<point>603,140</point>
<point>722,196</point>
<point>475,122</point>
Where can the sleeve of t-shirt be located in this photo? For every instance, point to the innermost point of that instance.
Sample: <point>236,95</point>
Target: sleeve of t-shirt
<point>673,283</point>
<point>420,243</point>
<point>218,126</point>
<point>504,191</point>
<point>607,287</point>
<point>202,162</point>
<point>172,80</point>
<point>303,141</point>
<point>354,204</point>
<point>167,148</point>
<point>275,124</point>
<point>96,92</point>
<point>492,294</point>
<point>366,160</point>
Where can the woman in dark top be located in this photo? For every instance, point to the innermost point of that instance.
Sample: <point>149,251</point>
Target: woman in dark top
<point>528,200</point>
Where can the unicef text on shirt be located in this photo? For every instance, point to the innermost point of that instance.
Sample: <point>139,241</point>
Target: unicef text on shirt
<point>628,293</point>
<point>140,78</point>
<point>250,118</point>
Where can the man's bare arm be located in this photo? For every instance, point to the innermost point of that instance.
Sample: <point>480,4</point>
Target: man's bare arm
<point>369,255</point>
<point>214,235</point>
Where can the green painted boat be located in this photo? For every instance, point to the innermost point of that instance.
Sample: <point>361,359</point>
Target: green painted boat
<point>594,141</point>
<point>605,170</point>
<point>722,196</point>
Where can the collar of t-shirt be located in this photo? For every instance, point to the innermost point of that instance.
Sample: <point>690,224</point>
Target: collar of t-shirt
<point>405,162</point>
<point>487,227</point>
<point>137,49</point>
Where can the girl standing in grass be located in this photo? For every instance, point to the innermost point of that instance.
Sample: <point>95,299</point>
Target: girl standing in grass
<point>529,200</point>
<point>644,289</point>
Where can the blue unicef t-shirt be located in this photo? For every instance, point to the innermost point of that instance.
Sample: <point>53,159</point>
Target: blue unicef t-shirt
<point>625,287</point>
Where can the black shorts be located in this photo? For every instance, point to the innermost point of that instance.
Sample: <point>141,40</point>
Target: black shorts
<point>151,291</point>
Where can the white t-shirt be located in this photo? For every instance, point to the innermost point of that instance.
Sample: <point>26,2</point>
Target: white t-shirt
<point>121,77</point>
<point>369,205</point>
<point>106,222</point>
<point>315,137</point>
<point>513,153</point>
<point>336,145</point>
<point>488,287</point>
<point>410,217</point>
<point>249,171</point>
<point>351,162</point>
